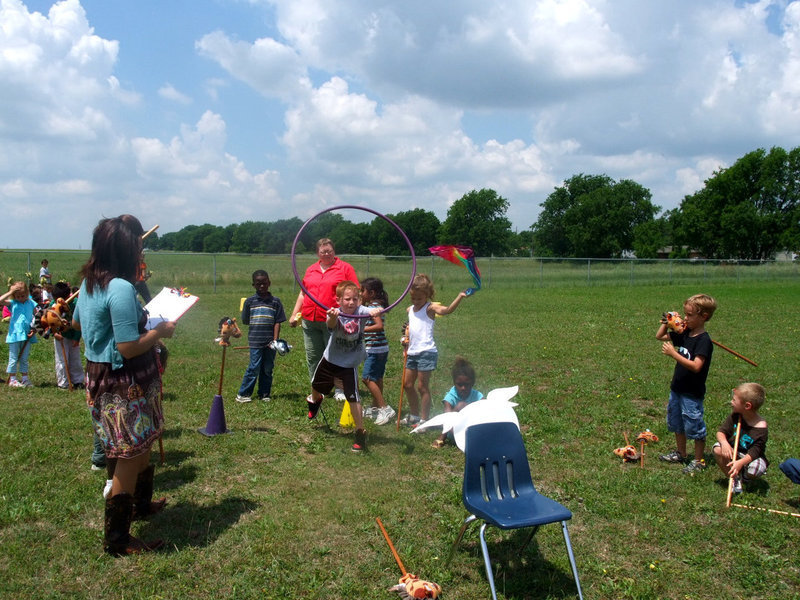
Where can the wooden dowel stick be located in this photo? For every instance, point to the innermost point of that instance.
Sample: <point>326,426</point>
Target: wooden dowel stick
<point>222,370</point>
<point>391,546</point>
<point>769,510</point>
<point>402,389</point>
<point>151,230</point>
<point>736,354</point>
<point>735,455</point>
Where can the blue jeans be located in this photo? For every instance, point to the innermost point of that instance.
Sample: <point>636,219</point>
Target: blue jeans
<point>685,415</point>
<point>262,360</point>
<point>18,357</point>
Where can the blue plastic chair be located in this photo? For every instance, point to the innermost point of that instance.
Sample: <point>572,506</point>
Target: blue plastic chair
<point>498,489</point>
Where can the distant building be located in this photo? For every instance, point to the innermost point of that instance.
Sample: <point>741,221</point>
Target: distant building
<point>667,250</point>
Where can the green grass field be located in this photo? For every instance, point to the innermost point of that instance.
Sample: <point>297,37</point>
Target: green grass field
<point>281,508</point>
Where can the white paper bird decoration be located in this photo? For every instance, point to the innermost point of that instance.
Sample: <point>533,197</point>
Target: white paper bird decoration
<point>495,408</point>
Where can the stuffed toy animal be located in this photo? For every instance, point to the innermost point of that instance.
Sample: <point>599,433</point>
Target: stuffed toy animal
<point>280,346</point>
<point>673,321</point>
<point>647,437</point>
<point>627,453</point>
<point>52,320</point>
<point>412,587</point>
<point>227,329</point>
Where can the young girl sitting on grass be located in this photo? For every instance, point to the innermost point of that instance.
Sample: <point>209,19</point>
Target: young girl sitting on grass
<point>20,332</point>
<point>462,393</point>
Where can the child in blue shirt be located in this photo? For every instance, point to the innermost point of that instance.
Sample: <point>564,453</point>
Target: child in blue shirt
<point>461,394</point>
<point>20,333</point>
<point>263,314</point>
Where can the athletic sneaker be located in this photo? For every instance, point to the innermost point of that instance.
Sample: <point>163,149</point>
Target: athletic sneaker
<point>243,398</point>
<point>16,383</point>
<point>384,415</point>
<point>107,488</point>
<point>361,441</point>
<point>27,383</point>
<point>696,466</point>
<point>339,395</point>
<point>737,485</point>
<point>313,407</point>
<point>98,467</point>
<point>411,420</point>
<point>266,399</point>
<point>672,457</point>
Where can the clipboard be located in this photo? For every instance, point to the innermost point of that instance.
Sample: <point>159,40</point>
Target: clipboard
<point>170,304</point>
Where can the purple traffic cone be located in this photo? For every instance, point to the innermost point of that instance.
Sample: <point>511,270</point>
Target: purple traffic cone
<point>216,419</point>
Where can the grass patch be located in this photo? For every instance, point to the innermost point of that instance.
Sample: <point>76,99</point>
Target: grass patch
<point>282,509</point>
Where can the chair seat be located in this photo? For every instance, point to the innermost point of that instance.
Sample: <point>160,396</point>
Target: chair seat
<point>525,511</point>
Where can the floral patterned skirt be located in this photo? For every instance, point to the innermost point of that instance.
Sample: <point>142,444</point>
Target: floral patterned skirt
<point>125,404</point>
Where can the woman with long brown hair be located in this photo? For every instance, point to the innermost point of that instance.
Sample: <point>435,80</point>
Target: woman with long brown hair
<point>123,383</point>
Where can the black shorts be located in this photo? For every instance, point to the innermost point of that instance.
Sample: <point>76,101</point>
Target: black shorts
<point>325,374</point>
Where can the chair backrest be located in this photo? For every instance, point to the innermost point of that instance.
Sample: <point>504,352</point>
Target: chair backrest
<point>496,469</point>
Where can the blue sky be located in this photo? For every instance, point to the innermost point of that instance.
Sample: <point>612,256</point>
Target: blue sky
<point>223,111</point>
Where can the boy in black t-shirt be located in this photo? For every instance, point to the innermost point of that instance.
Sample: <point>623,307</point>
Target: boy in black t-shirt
<point>692,350</point>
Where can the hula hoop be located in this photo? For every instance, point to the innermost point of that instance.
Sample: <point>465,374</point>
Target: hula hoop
<point>376,213</point>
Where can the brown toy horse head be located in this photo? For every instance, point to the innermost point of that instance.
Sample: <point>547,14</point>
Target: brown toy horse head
<point>227,329</point>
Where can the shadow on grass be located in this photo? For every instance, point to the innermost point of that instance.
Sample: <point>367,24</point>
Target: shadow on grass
<point>172,433</point>
<point>518,571</point>
<point>757,487</point>
<point>173,474</point>
<point>192,526</point>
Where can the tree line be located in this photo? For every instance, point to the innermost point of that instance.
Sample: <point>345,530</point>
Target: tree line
<point>748,211</point>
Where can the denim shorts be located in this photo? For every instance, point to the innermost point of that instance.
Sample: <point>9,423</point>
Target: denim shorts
<point>685,415</point>
<point>424,361</point>
<point>374,366</point>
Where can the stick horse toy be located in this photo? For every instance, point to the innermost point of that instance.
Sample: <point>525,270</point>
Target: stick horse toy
<point>410,587</point>
<point>674,322</point>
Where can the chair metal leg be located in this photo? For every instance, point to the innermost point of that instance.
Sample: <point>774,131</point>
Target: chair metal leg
<point>487,561</point>
<point>534,529</point>
<point>467,521</point>
<point>572,559</point>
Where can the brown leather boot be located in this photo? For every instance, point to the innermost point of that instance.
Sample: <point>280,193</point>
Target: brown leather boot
<point>118,540</point>
<point>143,505</point>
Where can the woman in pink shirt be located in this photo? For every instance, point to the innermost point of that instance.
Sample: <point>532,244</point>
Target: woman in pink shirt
<point>320,279</point>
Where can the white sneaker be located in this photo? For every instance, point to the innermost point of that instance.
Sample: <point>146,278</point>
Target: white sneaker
<point>339,395</point>
<point>369,412</point>
<point>27,383</point>
<point>737,485</point>
<point>16,383</point>
<point>385,415</point>
<point>266,399</point>
<point>243,398</point>
<point>107,488</point>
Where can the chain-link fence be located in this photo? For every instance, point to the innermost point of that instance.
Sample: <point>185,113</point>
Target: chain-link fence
<point>210,271</point>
